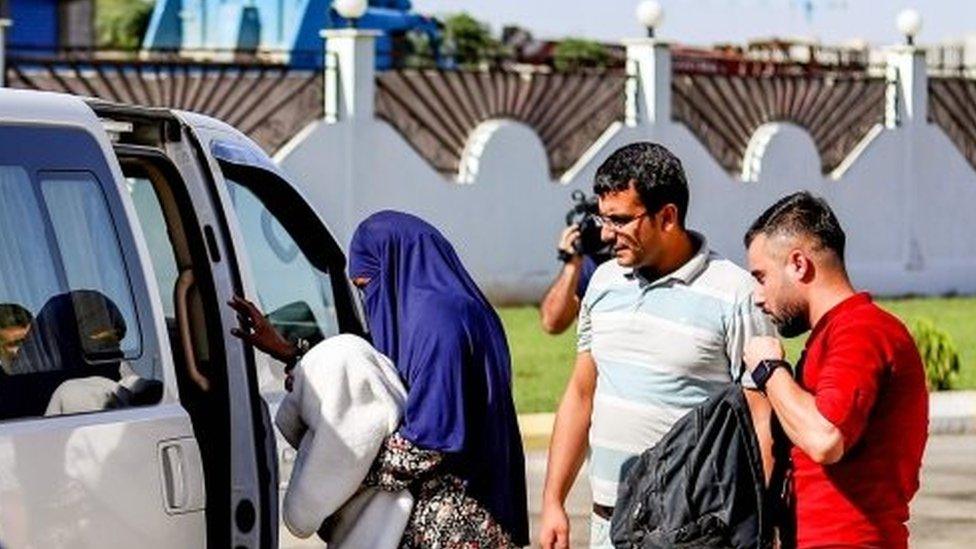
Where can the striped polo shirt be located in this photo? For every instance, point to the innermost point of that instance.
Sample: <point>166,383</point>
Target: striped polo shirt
<point>661,348</point>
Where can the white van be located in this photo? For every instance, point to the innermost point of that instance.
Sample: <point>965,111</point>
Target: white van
<point>129,416</point>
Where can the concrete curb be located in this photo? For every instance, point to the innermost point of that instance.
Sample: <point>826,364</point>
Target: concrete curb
<point>950,412</point>
<point>536,430</point>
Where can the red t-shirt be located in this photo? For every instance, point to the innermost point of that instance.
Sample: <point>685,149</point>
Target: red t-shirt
<point>865,373</point>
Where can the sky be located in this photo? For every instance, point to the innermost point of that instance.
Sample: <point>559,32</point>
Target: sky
<point>705,22</point>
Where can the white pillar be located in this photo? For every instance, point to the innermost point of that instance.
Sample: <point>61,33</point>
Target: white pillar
<point>4,23</point>
<point>906,112</point>
<point>908,82</point>
<point>350,74</point>
<point>649,82</point>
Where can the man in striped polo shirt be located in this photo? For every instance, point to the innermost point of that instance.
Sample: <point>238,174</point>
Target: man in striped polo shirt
<point>660,329</point>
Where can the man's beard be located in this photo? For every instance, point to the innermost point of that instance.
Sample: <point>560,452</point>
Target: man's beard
<point>791,320</point>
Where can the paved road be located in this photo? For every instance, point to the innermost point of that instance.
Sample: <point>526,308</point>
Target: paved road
<point>943,512</point>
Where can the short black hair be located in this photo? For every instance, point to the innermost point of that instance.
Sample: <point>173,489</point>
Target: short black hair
<point>13,315</point>
<point>801,213</point>
<point>656,173</point>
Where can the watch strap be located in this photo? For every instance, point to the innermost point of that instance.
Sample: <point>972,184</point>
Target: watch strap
<point>302,346</point>
<point>764,370</point>
<point>565,256</point>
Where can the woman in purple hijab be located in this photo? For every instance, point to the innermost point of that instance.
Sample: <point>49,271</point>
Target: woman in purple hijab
<point>458,448</point>
<point>426,313</point>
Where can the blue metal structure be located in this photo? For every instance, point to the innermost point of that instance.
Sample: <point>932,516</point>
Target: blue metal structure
<point>35,25</point>
<point>289,27</point>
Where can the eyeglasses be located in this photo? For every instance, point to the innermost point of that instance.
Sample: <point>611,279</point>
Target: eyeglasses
<point>619,222</point>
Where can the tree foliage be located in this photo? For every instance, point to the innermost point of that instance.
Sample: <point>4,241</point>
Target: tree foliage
<point>469,41</point>
<point>121,24</point>
<point>418,51</point>
<point>573,54</point>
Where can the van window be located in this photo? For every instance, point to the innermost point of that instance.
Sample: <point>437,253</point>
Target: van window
<point>153,223</point>
<point>296,295</point>
<point>28,275</point>
<point>178,256</point>
<point>88,245</point>
<point>69,332</point>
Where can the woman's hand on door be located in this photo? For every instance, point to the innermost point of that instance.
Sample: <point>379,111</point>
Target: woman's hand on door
<point>258,331</point>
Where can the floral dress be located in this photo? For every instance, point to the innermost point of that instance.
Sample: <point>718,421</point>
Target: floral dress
<point>443,515</point>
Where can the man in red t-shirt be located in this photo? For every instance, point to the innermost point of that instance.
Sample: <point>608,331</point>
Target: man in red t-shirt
<point>857,411</point>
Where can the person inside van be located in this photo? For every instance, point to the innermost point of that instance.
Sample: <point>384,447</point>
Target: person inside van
<point>70,327</point>
<point>75,335</point>
<point>458,449</point>
<point>15,322</point>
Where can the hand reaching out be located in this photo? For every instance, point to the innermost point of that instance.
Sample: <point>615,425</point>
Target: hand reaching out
<point>258,331</point>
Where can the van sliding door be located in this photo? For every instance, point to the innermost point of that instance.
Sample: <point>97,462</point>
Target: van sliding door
<point>252,504</point>
<point>293,269</point>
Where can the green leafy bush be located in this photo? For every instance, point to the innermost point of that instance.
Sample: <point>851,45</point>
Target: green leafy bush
<point>939,354</point>
<point>418,52</point>
<point>121,24</point>
<point>470,41</point>
<point>576,53</point>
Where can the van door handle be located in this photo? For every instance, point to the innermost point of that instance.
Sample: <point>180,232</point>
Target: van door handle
<point>181,476</point>
<point>174,480</point>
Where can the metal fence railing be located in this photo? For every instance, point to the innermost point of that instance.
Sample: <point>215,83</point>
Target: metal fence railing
<point>771,58</point>
<point>951,61</point>
<point>193,56</point>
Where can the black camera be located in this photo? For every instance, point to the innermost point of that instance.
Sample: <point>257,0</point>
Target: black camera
<point>585,214</point>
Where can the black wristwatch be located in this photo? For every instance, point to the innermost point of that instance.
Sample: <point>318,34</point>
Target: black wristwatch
<point>302,346</point>
<point>565,256</point>
<point>764,370</point>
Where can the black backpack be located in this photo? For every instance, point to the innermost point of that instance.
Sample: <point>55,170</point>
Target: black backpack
<point>701,485</point>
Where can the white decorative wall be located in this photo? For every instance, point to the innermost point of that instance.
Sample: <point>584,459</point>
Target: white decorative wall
<point>905,195</point>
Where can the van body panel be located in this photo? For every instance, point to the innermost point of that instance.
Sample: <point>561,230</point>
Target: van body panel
<point>96,479</point>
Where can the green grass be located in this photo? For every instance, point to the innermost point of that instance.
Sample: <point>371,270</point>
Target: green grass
<point>542,363</point>
<point>957,316</point>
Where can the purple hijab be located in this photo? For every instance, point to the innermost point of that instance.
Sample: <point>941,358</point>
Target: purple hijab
<point>426,314</point>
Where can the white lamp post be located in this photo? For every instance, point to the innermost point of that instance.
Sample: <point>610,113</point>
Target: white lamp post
<point>350,10</point>
<point>350,81</point>
<point>909,22</point>
<point>650,15</point>
<point>648,88</point>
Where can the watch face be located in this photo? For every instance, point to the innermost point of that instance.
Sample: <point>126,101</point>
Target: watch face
<point>761,374</point>
<point>765,370</point>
